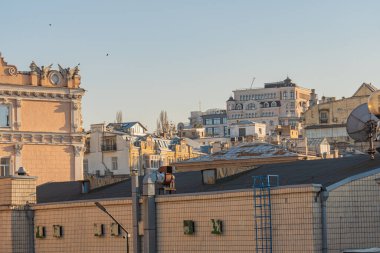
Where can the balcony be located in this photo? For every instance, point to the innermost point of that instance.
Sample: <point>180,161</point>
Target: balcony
<point>109,147</point>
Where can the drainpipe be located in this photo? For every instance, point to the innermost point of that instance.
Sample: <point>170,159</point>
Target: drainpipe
<point>324,194</point>
<point>30,218</point>
<point>135,210</point>
<point>149,218</point>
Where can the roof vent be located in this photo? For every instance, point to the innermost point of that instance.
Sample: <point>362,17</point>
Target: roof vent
<point>209,176</point>
<point>85,186</point>
<point>21,171</point>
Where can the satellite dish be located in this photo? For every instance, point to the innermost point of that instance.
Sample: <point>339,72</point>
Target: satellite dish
<point>362,125</point>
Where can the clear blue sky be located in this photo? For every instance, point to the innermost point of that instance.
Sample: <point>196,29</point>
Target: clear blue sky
<point>169,55</point>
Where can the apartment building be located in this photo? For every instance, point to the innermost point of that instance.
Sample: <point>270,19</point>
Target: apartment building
<point>278,103</point>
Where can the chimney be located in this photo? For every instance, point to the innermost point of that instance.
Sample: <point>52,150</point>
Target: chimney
<point>18,189</point>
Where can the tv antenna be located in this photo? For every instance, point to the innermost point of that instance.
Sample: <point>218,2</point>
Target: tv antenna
<point>362,126</point>
<point>253,79</point>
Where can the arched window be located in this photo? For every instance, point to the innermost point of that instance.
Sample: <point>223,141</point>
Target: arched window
<point>239,107</point>
<point>273,104</point>
<point>266,105</point>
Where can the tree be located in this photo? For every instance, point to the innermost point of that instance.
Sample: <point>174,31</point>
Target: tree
<point>163,126</point>
<point>119,117</point>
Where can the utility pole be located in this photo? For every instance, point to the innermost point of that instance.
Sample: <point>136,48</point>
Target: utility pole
<point>135,210</point>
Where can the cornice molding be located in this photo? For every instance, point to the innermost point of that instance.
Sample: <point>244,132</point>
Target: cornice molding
<point>41,138</point>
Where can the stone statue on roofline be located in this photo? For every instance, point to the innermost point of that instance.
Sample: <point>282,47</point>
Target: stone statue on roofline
<point>34,68</point>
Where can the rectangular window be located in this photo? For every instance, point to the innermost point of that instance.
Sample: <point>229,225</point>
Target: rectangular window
<point>216,121</point>
<point>85,166</point>
<point>209,131</point>
<point>291,94</point>
<point>109,143</point>
<point>4,116</point>
<point>216,130</point>
<point>225,131</point>
<point>224,120</point>
<point>208,121</point>
<point>114,163</point>
<point>4,167</point>
<point>324,117</point>
<point>241,132</point>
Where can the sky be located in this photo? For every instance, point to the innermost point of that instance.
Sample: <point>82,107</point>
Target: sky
<point>180,56</point>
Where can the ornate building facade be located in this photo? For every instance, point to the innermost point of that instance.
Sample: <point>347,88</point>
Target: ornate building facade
<point>279,103</point>
<point>41,122</point>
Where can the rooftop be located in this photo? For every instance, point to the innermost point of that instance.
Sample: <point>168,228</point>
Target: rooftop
<point>245,151</point>
<point>324,172</point>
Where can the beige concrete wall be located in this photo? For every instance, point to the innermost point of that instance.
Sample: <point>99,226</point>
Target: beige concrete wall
<point>45,116</point>
<point>5,230</point>
<point>295,224</point>
<point>49,162</point>
<point>78,221</point>
<point>353,215</point>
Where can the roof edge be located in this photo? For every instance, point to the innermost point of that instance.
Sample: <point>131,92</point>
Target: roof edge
<point>352,178</point>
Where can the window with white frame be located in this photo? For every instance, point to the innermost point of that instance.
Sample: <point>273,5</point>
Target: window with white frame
<point>5,166</point>
<point>4,116</point>
<point>114,163</point>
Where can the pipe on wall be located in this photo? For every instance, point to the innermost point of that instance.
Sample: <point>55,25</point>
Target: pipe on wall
<point>324,194</point>
<point>149,217</point>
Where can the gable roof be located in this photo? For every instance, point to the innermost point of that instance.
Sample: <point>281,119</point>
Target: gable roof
<point>126,125</point>
<point>365,90</point>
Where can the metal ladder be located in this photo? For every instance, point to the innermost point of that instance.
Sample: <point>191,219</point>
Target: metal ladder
<point>263,211</point>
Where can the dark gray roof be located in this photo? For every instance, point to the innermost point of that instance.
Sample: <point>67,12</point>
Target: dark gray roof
<point>325,172</point>
<point>125,125</point>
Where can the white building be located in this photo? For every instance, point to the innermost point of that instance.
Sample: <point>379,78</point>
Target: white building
<point>107,152</point>
<point>246,128</point>
<point>133,128</point>
<point>279,103</point>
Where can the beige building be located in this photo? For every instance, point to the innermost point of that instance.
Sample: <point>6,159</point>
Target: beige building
<point>279,103</point>
<point>316,206</point>
<point>114,151</point>
<point>328,118</point>
<point>41,122</point>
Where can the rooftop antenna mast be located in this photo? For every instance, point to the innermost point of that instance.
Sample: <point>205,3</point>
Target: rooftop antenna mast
<point>253,79</point>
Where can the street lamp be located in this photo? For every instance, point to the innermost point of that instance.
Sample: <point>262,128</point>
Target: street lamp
<point>103,209</point>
